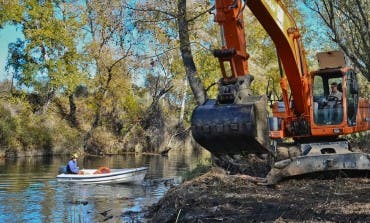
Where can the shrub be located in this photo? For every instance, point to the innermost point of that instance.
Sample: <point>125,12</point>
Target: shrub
<point>7,127</point>
<point>101,142</point>
<point>200,169</point>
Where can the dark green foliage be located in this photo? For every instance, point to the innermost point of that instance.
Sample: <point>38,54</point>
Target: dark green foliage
<point>34,136</point>
<point>7,126</point>
<point>22,130</point>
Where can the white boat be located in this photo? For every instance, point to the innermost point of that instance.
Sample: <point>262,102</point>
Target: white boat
<point>129,175</point>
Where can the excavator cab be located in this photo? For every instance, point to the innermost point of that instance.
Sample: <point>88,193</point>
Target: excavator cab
<point>335,97</point>
<point>343,108</point>
<point>327,88</point>
<point>328,99</point>
<point>337,107</point>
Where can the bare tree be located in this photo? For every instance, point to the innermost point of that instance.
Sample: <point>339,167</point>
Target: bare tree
<point>168,11</point>
<point>348,22</point>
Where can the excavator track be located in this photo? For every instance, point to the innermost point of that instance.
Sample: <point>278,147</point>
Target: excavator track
<point>302,165</point>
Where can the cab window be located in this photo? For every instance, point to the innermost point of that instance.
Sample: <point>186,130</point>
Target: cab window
<point>327,100</point>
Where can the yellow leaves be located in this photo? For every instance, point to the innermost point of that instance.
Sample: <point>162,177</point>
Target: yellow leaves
<point>11,11</point>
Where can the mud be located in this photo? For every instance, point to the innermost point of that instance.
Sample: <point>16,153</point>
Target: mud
<point>219,197</point>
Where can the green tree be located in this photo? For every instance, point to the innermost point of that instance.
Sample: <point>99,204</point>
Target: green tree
<point>47,60</point>
<point>110,44</point>
<point>11,12</point>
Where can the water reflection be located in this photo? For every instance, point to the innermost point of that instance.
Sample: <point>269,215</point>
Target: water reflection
<point>30,193</point>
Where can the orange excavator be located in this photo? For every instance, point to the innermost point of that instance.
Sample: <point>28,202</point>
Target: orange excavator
<point>304,132</point>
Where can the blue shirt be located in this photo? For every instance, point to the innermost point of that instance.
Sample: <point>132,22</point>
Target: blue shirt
<point>72,165</point>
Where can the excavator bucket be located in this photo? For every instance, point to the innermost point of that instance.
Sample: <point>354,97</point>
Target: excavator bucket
<point>227,129</point>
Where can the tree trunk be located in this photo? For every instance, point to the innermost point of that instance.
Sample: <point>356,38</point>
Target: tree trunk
<point>182,111</point>
<point>46,101</point>
<point>72,111</point>
<point>196,84</point>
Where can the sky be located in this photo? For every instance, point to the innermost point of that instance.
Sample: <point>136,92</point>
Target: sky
<point>7,35</point>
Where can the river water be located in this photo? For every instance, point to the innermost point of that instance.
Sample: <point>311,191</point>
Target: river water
<point>29,191</point>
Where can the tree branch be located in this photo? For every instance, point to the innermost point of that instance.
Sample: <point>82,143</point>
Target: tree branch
<point>202,13</point>
<point>151,10</point>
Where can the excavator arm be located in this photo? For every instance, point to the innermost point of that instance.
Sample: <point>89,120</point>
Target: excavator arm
<point>283,31</point>
<point>229,15</point>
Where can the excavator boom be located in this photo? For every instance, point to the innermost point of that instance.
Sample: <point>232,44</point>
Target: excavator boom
<point>282,29</point>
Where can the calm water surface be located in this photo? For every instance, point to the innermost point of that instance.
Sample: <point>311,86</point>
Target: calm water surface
<point>29,191</point>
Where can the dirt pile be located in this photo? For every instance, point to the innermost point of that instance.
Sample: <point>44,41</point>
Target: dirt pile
<point>219,197</point>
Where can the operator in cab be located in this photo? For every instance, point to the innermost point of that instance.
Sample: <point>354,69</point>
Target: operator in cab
<point>335,94</point>
<point>334,111</point>
<point>72,167</point>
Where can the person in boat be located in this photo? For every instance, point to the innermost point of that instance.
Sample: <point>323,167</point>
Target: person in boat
<point>72,167</point>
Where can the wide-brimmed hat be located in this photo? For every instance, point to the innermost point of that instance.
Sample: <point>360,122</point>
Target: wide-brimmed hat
<point>74,155</point>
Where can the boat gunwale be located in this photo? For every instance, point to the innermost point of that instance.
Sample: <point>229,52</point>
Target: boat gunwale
<point>103,175</point>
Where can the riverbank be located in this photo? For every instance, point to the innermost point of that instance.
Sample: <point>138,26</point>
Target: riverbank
<point>219,197</point>
<point>31,127</point>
